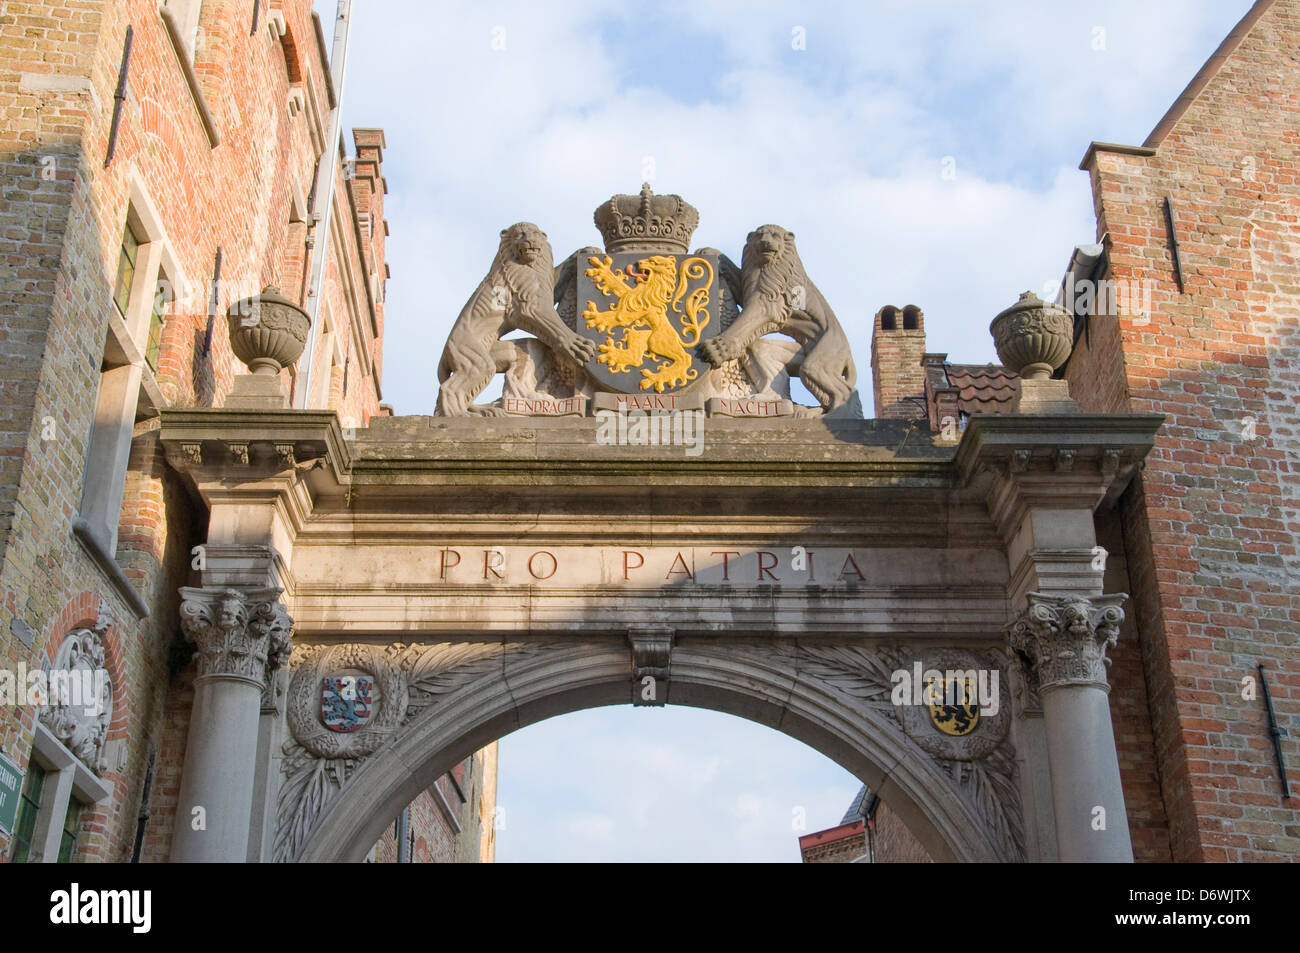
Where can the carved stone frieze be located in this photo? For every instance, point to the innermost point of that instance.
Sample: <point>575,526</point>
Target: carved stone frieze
<point>387,706</point>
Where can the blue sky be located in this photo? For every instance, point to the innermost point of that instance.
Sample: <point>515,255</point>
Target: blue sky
<point>844,142</point>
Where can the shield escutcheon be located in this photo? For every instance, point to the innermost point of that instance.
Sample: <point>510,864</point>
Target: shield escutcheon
<point>345,701</point>
<point>648,312</point>
<point>957,712</point>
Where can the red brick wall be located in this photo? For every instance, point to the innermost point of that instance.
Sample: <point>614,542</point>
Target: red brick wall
<point>1211,530</point>
<point>436,841</point>
<point>62,216</point>
<point>892,842</point>
<point>839,845</point>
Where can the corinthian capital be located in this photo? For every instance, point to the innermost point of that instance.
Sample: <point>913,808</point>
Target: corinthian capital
<point>239,633</point>
<point>1065,638</point>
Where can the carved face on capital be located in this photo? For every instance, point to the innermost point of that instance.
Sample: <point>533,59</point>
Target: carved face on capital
<point>1075,618</point>
<point>230,613</point>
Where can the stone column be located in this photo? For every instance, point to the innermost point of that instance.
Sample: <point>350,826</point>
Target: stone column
<point>1065,639</point>
<point>241,636</point>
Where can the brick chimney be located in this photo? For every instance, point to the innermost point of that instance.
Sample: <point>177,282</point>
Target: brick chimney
<point>368,190</point>
<point>897,347</point>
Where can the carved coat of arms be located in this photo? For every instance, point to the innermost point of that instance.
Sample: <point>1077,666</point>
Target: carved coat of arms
<point>647,314</point>
<point>957,712</point>
<point>345,701</point>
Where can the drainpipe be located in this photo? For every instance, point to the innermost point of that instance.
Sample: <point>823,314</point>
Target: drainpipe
<point>324,190</point>
<point>403,835</point>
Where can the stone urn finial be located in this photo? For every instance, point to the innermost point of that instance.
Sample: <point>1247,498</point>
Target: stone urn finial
<point>267,331</point>
<point>1033,337</point>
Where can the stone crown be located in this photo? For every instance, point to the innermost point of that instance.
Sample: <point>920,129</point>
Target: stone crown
<point>647,222</point>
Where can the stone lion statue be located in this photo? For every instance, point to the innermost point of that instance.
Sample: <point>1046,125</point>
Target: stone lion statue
<point>777,297</point>
<point>516,295</point>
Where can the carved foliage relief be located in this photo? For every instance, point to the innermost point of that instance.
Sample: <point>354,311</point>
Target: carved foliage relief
<point>379,688</point>
<point>979,762</point>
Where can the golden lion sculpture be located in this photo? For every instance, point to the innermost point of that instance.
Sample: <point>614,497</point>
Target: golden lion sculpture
<point>516,295</point>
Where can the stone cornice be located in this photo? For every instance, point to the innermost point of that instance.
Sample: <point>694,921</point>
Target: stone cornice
<point>1056,462</point>
<point>212,441</point>
<point>785,451</point>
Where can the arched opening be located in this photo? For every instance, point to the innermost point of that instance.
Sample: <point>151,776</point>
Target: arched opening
<point>670,784</point>
<point>744,681</point>
<point>911,318</point>
<point>889,318</point>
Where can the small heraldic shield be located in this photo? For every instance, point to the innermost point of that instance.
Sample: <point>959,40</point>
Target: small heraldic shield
<point>345,701</point>
<point>954,707</point>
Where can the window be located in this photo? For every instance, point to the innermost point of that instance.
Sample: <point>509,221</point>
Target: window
<point>162,300</point>
<point>58,784</point>
<point>126,259</point>
<point>68,839</point>
<point>29,805</point>
<point>126,386</point>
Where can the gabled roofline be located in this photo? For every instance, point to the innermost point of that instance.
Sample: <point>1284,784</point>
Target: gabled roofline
<point>1207,72</point>
<point>1189,95</point>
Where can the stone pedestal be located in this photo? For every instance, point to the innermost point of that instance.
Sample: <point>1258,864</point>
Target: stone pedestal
<point>241,636</point>
<point>257,392</point>
<point>1065,638</point>
<point>1044,397</point>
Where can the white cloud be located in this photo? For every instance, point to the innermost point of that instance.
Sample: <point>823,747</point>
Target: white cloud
<point>622,784</point>
<point>841,143</point>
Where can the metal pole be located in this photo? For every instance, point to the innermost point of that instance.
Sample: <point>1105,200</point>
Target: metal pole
<point>119,97</point>
<point>1276,731</point>
<point>325,175</point>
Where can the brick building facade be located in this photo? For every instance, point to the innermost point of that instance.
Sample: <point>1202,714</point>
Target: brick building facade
<point>1204,221</point>
<point>451,822</point>
<point>1188,305</point>
<point>869,833</point>
<point>159,163</point>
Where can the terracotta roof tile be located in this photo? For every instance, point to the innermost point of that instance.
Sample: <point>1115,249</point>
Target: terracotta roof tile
<point>983,388</point>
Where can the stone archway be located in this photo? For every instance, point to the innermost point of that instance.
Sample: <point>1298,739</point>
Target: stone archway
<point>832,696</point>
<point>488,578</point>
